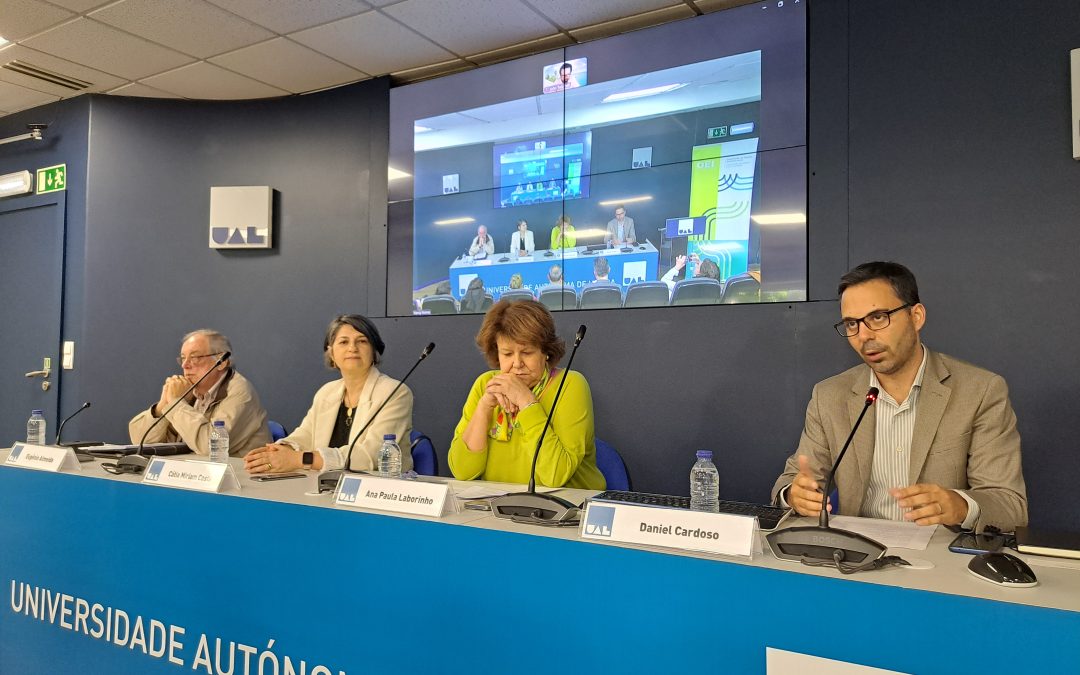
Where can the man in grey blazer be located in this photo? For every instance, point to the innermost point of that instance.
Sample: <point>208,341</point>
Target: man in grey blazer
<point>941,445</point>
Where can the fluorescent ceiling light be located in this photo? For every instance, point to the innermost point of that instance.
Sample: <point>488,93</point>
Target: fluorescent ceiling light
<point>626,200</point>
<point>18,183</point>
<point>394,174</point>
<point>455,221</point>
<point>420,128</point>
<point>640,93</point>
<point>779,218</point>
<point>590,232</point>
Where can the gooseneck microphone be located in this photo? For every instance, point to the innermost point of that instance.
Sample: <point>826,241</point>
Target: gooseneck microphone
<point>328,480</point>
<point>849,551</point>
<point>137,463</point>
<point>530,506</point>
<point>67,419</point>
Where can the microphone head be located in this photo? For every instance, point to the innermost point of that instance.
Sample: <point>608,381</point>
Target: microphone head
<point>224,357</point>
<point>427,350</point>
<point>871,395</point>
<point>85,405</point>
<point>580,334</point>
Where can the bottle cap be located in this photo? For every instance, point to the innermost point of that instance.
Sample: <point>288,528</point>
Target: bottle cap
<point>704,454</point>
<point>219,423</point>
<point>36,412</point>
<point>390,437</point>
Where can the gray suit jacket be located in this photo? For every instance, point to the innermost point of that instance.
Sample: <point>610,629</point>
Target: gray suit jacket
<point>965,438</point>
<point>628,230</point>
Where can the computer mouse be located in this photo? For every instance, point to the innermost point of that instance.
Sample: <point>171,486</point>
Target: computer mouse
<point>1003,569</point>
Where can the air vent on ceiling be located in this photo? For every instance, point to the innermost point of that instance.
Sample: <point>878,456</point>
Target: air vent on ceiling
<point>29,70</point>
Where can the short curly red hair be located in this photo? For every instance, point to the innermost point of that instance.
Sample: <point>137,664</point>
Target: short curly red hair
<point>524,321</point>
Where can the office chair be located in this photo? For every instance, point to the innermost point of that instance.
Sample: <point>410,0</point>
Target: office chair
<point>611,464</point>
<point>425,460</point>
<point>517,294</point>
<point>600,295</point>
<point>277,432</point>
<point>697,291</point>
<point>646,294</point>
<point>439,304</point>
<point>741,288</point>
<point>559,298</point>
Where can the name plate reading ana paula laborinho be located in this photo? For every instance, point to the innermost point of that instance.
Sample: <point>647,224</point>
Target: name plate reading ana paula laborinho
<point>391,494</point>
<point>43,458</point>
<point>189,474</point>
<point>720,533</point>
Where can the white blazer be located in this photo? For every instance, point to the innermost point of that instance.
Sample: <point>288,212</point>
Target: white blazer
<point>314,432</point>
<point>515,242</point>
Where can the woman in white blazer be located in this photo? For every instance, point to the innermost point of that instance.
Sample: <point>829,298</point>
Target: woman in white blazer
<point>523,234</point>
<point>343,407</point>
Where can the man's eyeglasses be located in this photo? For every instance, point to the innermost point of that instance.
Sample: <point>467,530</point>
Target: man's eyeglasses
<point>878,320</point>
<point>196,359</point>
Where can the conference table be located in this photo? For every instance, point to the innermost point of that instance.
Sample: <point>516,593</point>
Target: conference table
<point>104,574</point>
<point>627,266</point>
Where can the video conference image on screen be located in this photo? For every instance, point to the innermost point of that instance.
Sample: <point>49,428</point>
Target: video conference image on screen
<point>628,172</point>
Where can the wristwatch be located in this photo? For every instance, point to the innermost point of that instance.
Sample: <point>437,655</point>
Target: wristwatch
<point>307,459</point>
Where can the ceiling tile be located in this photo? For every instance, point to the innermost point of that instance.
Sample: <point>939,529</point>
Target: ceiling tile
<point>107,49</point>
<point>193,26</point>
<point>81,5</point>
<point>141,90</point>
<point>471,26</point>
<point>285,64</point>
<point>13,97</point>
<point>575,14</point>
<point>372,43</point>
<point>207,81</point>
<point>634,22</point>
<point>98,80</point>
<point>21,18</point>
<point>286,17</point>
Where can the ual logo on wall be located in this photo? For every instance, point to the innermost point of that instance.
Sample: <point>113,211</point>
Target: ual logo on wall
<point>241,217</point>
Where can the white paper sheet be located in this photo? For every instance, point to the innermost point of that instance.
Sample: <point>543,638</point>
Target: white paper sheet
<point>891,533</point>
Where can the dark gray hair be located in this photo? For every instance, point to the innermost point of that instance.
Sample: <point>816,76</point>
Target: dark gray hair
<point>363,326</point>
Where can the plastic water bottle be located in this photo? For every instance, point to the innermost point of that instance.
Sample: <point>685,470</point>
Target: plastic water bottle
<point>704,484</point>
<point>219,443</point>
<point>390,457</point>
<point>35,428</point>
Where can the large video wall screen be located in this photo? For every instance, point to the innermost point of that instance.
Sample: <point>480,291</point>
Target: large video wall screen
<point>661,167</point>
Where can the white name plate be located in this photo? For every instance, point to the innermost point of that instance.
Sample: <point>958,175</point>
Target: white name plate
<point>391,494</point>
<point>720,533</point>
<point>43,458</point>
<point>189,474</point>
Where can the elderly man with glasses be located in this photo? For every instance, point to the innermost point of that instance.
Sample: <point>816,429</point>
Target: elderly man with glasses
<point>941,446</point>
<point>224,395</point>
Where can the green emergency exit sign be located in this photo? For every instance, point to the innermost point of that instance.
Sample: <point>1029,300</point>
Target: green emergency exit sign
<point>52,179</point>
<point>717,132</point>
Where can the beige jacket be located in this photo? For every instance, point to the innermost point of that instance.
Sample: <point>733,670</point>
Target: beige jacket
<point>236,402</point>
<point>396,418</point>
<point>965,438</point>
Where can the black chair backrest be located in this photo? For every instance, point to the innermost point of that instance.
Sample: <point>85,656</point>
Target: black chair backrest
<point>517,294</point>
<point>646,294</point>
<point>600,295</point>
<point>559,298</point>
<point>697,291</point>
<point>741,288</point>
<point>439,304</point>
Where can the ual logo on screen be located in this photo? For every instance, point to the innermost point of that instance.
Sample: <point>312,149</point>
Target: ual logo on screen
<point>600,520</point>
<point>350,488</point>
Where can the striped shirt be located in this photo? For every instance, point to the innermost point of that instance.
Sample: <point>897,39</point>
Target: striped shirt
<point>895,424</point>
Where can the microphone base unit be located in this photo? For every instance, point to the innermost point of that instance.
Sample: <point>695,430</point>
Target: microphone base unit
<point>534,506</point>
<point>132,463</point>
<point>328,480</point>
<point>819,543</point>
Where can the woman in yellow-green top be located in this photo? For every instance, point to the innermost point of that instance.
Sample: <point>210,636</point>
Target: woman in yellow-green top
<point>507,408</point>
<point>562,235</point>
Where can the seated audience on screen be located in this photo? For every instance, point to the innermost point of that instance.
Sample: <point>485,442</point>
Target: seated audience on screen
<point>516,281</point>
<point>341,408</point>
<point>941,444</point>
<point>224,395</point>
<point>482,244</point>
<point>601,270</point>
<point>555,279</point>
<point>620,229</point>
<point>507,408</point>
<point>521,241</point>
<point>473,300</point>
<point>702,268</point>
<point>562,235</point>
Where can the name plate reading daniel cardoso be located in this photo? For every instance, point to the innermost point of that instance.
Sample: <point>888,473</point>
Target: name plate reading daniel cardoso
<point>720,533</point>
<point>391,494</point>
<point>43,458</point>
<point>189,474</point>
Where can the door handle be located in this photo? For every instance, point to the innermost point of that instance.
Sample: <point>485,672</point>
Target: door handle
<point>39,373</point>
